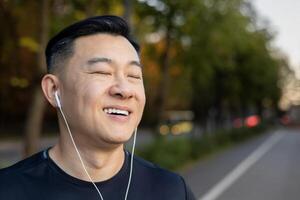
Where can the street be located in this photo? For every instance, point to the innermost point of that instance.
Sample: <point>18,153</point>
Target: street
<point>264,168</point>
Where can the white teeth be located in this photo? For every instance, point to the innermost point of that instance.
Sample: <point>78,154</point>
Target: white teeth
<point>116,111</point>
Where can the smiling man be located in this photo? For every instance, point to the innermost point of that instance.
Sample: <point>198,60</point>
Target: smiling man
<point>95,81</point>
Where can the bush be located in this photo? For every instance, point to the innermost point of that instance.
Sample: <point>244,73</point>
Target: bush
<point>175,153</point>
<point>168,154</point>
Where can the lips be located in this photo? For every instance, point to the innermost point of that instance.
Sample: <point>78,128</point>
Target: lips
<point>117,110</point>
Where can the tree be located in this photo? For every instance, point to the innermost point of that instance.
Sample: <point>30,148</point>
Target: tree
<point>127,7</point>
<point>167,18</point>
<point>228,57</point>
<point>33,126</point>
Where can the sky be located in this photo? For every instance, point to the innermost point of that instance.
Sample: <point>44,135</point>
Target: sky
<point>284,17</point>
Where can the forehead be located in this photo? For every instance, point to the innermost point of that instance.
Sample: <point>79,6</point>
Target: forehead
<point>107,45</point>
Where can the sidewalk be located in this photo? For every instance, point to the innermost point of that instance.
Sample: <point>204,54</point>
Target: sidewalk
<point>11,151</point>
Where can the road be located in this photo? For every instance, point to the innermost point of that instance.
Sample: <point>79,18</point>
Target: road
<point>264,168</point>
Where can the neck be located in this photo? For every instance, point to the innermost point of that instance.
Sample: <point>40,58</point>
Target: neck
<point>101,164</point>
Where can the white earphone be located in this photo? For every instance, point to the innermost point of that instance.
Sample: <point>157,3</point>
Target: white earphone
<point>58,103</point>
<point>57,99</point>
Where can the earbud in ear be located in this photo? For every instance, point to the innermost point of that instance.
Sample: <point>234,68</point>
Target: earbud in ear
<point>57,99</point>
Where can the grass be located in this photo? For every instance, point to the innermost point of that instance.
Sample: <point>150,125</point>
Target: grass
<point>174,154</point>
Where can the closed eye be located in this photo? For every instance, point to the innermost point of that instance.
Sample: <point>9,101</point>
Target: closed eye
<point>134,76</point>
<point>101,73</point>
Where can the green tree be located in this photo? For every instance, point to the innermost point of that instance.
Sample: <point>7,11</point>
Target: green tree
<point>164,20</point>
<point>34,122</point>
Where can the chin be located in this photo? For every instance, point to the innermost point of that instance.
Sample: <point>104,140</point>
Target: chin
<point>115,143</point>
<point>120,138</point>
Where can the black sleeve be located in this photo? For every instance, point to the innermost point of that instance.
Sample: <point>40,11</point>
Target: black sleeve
<point>188,192</point>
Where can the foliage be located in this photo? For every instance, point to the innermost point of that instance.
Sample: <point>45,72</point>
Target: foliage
<point>222,58</point>
<point>173,154</point>
<point>217,56</point>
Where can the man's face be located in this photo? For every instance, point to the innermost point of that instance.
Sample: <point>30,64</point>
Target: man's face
<point>102,90</point>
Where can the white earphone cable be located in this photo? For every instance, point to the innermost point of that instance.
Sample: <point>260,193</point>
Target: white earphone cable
<point>131,163</point>
<point>82,163</point>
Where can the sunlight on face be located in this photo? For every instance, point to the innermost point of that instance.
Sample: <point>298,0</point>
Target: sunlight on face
<point>102,89</point>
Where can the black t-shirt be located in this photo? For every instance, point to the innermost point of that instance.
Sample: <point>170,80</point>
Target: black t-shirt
<point>39,178</point>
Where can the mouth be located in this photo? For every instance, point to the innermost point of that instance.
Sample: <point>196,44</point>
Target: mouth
<point>117,111</point>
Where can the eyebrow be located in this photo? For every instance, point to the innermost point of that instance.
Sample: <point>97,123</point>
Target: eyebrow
<point>137,63</point>
<point>95,60</point>
<point>98,59</point>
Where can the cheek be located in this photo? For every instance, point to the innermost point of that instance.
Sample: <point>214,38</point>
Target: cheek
<point>91,93</point>
<point>87,92</point>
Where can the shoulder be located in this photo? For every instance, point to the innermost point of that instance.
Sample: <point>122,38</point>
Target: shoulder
<point>161,180</point>
<point>16,175</point>
<point>151,169</point>
<point>23,165</point>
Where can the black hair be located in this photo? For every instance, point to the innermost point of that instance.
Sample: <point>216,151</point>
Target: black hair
<point>60,47</point>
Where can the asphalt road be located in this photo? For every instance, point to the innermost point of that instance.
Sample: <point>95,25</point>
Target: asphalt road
<point>264,168</point>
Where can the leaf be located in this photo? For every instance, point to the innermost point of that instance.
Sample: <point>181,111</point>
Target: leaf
<point>29,43</point>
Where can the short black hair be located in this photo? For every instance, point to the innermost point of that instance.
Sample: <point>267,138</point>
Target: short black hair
<point>60,47</point>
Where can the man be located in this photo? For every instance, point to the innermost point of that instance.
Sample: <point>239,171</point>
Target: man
<point>95,81</point>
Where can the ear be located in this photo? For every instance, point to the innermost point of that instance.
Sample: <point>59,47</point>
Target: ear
<point>50,84</point>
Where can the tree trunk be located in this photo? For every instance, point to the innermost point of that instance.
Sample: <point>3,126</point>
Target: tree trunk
<point>90,8</point>
<point>10,25</point>
<point>164,83</point>
<point>33,126</point>
<point>127,5</point>
<point>105,5</point>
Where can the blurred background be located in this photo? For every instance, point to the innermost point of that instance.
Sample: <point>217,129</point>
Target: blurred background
<point>215,76</point>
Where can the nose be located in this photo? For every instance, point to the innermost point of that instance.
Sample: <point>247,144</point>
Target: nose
<point>121,89</point>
